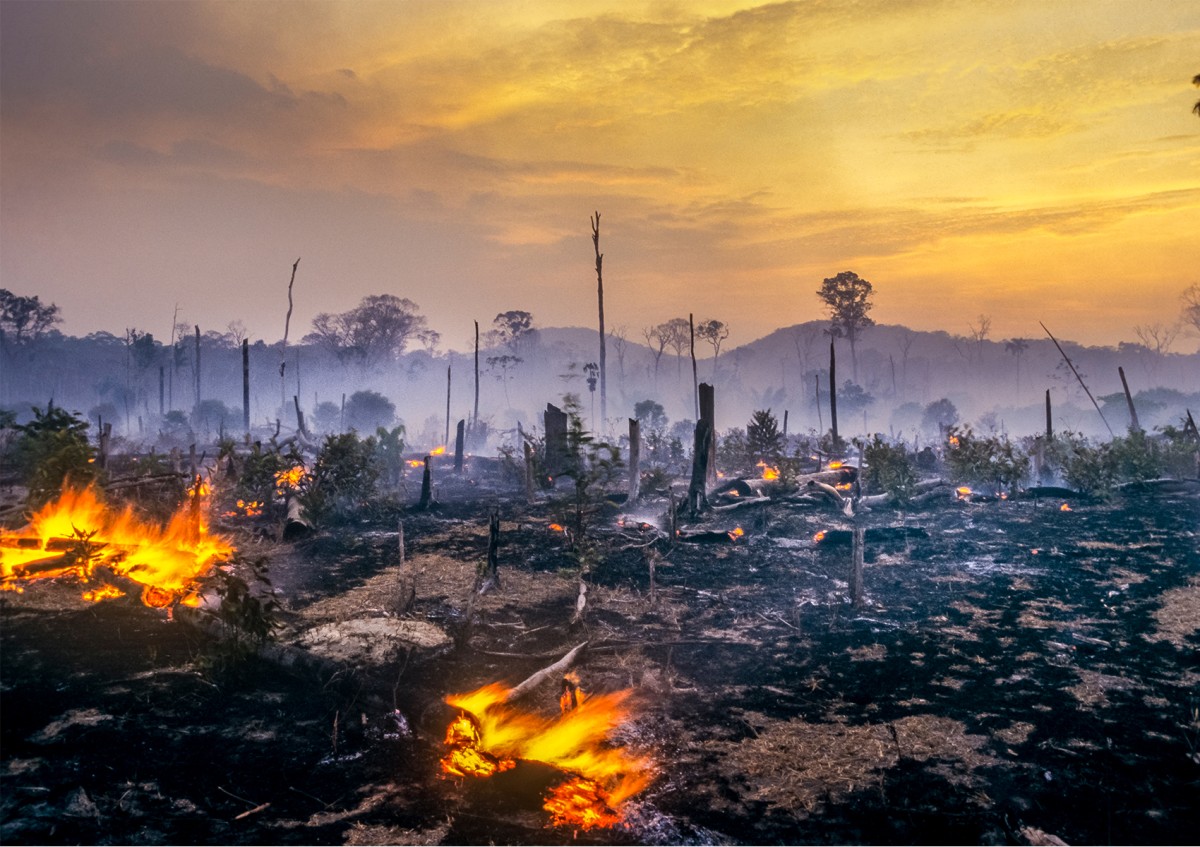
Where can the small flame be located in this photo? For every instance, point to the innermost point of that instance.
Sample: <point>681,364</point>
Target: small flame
<point>954,441</point>
<point>1064,508</point>
<point>963,492</point>
<point>289,480</point>
<point>438,451</point>
<point>736,533</point>
<point>819,537</point>
<point>557,527</point>
<point>844,486</point>
<point>415,463</point>
<point>104,592</point>
<point>770,473</point>
<point>835,464</point>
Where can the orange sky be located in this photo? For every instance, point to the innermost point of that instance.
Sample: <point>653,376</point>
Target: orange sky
<point>1022,160</point>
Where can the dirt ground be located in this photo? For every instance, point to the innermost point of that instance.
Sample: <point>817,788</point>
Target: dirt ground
<point>1016,670</point>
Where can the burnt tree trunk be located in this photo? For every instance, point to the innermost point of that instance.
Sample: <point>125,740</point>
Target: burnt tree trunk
<point>528,471</point>
<point>426,487</point>
<point>708,413</point>
<point>299,415</point>
<point>245,384</point>
<point>817,395</point>
<point>635,454</point>
<point>697,497</point>
<point>856,565</point>
<point>1049,422</point>
<point>1134,426</point>
<point>475,413</point>
<point>197,369</point>
<point>600,298</point>
<point>407,584</point>
<point>833,427</point>
<point>446,440</point>
<point>459,438</point>
<point>162,378</point>
<point>556,439</point>
<point>692,349</point>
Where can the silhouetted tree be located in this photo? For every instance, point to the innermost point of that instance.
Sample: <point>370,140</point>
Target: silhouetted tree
<point>24,319</point>
<point>939,416</point>
<point>1016,347</point>
<point>714,332</point>
<point>513,330</point>
<point>848,298</point>
<point>678,332</point>
<point>656,339</point>
<point>764,441</point>
<point>1191,306</point>
<point>366,411</point>
<point>378,328</point>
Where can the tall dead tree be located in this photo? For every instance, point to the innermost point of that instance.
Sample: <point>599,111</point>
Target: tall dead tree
<point>1049,420</point>
<point>245,384</point>
<point>197,369</point>
<point>697,496</point>
<point>692,348</point>
<point>287,323</point>
<point>833,428</point>
<point>446,440</point>
<point>1134,426</point>
<point>1082,384</point>
<point>600,298</point>
<point>475,414</point>
<point>635,453</point>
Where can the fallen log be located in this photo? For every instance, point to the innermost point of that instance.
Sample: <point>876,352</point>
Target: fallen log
<point>873,535</point>
<point>741,503</point>
<point>710,536</point>
<point>537,678</point>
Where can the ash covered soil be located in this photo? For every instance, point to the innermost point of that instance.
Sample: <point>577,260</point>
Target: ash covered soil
<point>1016,671</point>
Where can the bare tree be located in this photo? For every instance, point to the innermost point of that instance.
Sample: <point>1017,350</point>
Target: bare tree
<point>620,341</point>
<point>1190,312</point>
<point>235,333</point>
<point>656,339</point>
<point>24,319</point>
<point>378,329</point>
<point>1157,337</point>
<point>979,334</point>
<point>714,332</point>
<point>679,336</point>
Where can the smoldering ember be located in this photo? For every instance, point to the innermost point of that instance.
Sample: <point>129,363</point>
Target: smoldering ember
<point>845,584</point>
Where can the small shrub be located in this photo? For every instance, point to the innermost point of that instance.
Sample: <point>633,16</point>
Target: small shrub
<point>343,477</point>
<point>993,460</point>
<point>890,469</point>
<point>52,451</point>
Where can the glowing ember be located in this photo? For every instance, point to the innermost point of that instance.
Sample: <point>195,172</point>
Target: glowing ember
<point>415,463</point>
<point>770,473</point>
<point>245,509</point>
<point>962,492</point>
<point>289,480</point>
<point>835,464</point>
<point>490,735</point>
<point>1064,508</point>
<point>736,533</point>
<point>820,536</point>
<point>844,486</point>
<point>556,527</point>
<point>954,441</point>
<point>437,451</point>
<point>78,533</point>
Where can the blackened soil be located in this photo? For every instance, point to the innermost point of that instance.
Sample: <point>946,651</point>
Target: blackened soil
<point>1014,665</point>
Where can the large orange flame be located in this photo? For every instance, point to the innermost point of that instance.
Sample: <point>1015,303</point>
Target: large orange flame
<point>78,533</point>
<point>490,734</point>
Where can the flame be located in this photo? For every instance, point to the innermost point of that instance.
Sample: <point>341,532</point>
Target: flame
<point>437,451</point>
<point>770,473</point>
<point>415,463</point>
<point>835,464</point>
<point>244,509</point>
<point>489,735</point>
<point>289,480</point>
<point>954,441</point>
<point>74,535</point>
<point>736,533</point>
<point>820,536</point>
<point>844,486</point>
<point>1064,508</point>
<point>963,492</point>
<point>556,527</point>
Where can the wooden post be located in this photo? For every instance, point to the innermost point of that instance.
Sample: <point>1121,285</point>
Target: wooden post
<point>856,565</point>
<point>707,405</point>
<point>1049,427</point>
<point>246,384</point>
<point>635,452</point>
<point>833,395</point>
<point>600,298</point>
<point>1134,426</point>
<point>458,446</point>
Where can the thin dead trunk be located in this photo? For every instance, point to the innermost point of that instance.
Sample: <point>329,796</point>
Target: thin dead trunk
<point>475,414</point>
<point>600,298</point>
<point>635,452</point>
<point>245,385</point>
<point>1134,426</point>
<point>833,396</point>
<point>692,349</point>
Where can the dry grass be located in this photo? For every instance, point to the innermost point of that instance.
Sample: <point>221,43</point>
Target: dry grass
<point>1178,618</point>
<point>797,766</point>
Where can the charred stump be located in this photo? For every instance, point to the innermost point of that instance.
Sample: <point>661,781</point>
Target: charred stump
<point>556,439</point>
<point>426,487</point>
<point>635,453</point>
<point>708,413</point>
<point>697,497</point>
<point>459,438</point>
<point>856,565</point>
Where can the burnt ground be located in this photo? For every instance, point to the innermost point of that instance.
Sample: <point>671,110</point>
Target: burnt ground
<point>1015,667</point>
